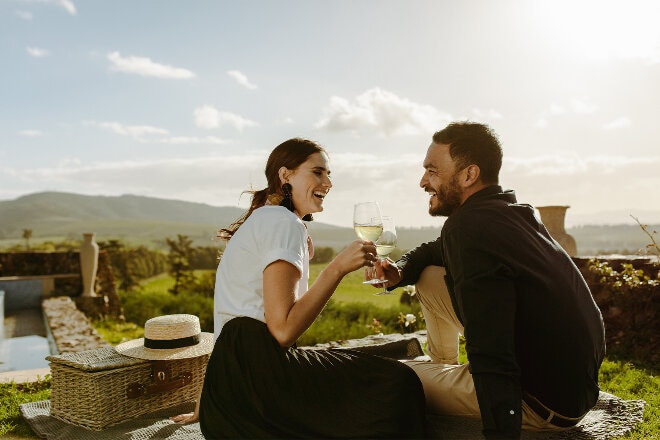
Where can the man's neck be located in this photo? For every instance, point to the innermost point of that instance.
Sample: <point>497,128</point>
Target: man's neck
<point>473,189</point>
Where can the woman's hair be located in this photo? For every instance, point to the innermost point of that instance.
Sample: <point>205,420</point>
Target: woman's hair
<point>289,154</point>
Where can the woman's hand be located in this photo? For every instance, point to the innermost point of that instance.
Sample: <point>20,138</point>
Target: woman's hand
<point>184,419</point>
<point>357,254</point>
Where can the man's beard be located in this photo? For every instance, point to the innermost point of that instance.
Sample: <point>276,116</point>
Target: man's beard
<point>448,200</point>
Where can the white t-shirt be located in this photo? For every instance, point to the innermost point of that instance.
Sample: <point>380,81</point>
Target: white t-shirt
<point>269,234</point>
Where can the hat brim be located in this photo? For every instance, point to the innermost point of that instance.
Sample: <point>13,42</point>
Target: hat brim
<point>135,348</point>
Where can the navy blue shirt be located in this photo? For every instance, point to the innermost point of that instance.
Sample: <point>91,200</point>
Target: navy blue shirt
<point>531,324</point>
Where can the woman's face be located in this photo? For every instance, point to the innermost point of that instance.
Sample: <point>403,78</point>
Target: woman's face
<point>310,183</point>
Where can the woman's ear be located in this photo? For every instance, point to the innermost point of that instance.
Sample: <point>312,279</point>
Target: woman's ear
<point>283,173</point>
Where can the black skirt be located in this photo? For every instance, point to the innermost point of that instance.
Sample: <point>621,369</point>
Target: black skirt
<point>256,389</point>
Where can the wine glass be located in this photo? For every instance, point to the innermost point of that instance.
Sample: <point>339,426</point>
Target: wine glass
<point>384,245</point>
<point>368,224</point>
<point>367,221</point>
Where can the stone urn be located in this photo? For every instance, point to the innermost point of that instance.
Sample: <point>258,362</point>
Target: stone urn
<point>553,218</point>
<point>89,261</point>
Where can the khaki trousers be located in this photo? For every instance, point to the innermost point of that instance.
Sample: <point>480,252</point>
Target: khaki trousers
<point>448,386</point>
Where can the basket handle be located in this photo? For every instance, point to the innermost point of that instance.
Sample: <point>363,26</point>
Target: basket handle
<point>162,381</point>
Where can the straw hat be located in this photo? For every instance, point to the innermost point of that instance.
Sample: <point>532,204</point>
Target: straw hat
<point>169,337</point>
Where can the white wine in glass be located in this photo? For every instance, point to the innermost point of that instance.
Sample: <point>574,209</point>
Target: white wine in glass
<point>367,221</point>
<point>384,245</point>
<point>369,232</point>
<point>368,224</point>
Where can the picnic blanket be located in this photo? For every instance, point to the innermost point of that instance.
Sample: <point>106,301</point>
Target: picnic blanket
<point>610,418</point>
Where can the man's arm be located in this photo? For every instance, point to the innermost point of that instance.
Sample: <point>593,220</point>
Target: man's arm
<point>486,299</point>
<point>415,261</point>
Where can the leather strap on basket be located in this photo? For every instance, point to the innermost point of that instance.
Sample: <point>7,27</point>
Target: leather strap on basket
<point>162,381</point>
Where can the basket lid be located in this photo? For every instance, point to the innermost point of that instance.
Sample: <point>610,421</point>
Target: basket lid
<point>97,359</point>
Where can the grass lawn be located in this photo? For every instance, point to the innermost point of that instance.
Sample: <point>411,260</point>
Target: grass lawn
<point>351,289</point>
<point>625,378</point>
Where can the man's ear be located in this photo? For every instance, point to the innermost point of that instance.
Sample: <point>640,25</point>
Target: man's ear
<point>470,175</point>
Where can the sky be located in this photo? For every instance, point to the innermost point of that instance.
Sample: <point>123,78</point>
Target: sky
<point>185,100</point>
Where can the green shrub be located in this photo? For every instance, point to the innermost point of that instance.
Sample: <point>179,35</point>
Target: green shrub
<point>116,332</point>
<point>194,304</point>
<point>139,306</point>
<point>352,320</point>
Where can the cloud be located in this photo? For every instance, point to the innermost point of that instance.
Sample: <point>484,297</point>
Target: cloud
<point>209,117</point>
<point>587,184</point>
<point>216,180</point>
<point>187,140</point>
<point>619,123</point>
<point>134,131</point>
<point>584,183</point>
<point>380,110</point>
<point>489,114</point>
<point>242,79</point>
<point>66,4</point>
<point>574,106</point>
<point>25,15</point>
<point>30,133</point>
<point>556,109</point>
<point>145,67</point>
<point>580,106</point>
<point>541,122</point>
<point>592,167</point>
<point>147,134</point>
<point>37,52</point>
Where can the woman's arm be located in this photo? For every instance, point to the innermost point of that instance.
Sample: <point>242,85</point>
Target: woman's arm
<point>287,318</point>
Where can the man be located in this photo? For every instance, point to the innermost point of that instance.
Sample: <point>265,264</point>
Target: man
<point>534,335</point>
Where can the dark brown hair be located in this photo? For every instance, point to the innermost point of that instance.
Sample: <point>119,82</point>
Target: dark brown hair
<point>473,143</point>
<point>289,154</point>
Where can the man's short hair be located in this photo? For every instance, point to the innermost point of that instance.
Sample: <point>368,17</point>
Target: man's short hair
<point>473,143</point>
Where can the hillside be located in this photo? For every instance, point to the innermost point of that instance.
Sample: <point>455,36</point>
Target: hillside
<point>149,221</point>
<point>52,215</point>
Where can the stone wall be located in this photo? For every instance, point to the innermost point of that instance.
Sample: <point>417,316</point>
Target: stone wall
<point>34,264</point>
<point>70,328</point>
<point>630,314</point>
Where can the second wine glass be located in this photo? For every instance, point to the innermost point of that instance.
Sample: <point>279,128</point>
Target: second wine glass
<point>368,225</point>
<point>384,245</point>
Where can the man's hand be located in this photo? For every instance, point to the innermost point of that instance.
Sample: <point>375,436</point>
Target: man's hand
<point>384,269</point>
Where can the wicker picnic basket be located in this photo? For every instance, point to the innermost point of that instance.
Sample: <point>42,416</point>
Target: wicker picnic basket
<point>100,388</point>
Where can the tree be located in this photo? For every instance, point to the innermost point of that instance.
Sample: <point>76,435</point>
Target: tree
<point>323,255</point>
<point>130,265</point>
<point>181,252</point>
<point>27,235</point>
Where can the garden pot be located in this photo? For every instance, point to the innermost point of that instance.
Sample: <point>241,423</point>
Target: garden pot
<point>553,219</point>
<point>89,260</point>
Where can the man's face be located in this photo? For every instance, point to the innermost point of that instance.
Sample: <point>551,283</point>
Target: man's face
<point>440,180</point>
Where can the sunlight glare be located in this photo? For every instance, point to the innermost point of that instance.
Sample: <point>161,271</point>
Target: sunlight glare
<point>602,29</point>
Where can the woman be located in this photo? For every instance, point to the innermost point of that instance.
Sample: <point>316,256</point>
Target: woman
<point>258,384</point>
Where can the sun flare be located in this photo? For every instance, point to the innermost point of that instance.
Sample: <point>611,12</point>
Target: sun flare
<point>602,29</point>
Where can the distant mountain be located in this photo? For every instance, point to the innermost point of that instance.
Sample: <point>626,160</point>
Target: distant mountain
<point>56,214</point>
<point>149,221</point>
